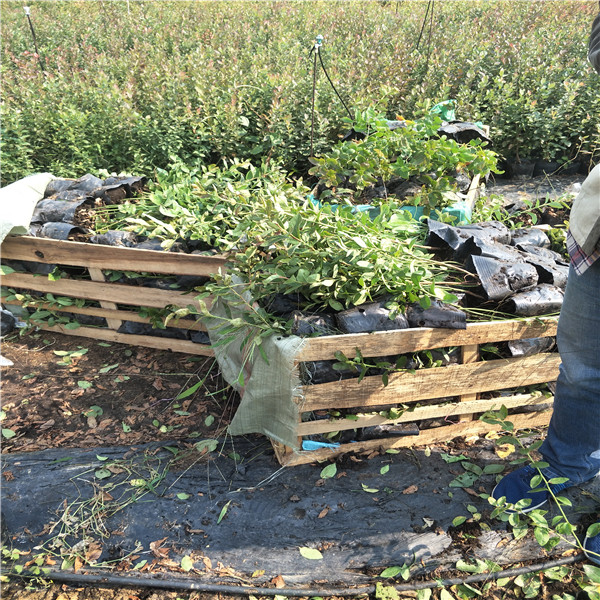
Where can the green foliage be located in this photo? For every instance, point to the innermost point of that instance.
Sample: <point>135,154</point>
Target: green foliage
<point>413,151</point>
<point>169,83</point>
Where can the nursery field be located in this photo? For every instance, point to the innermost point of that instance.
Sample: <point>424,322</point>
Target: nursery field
<point>282,311</point>
<point>131,86</point>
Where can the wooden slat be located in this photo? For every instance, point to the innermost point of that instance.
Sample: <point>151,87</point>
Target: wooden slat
<point>424,384</point>
<point>473,193</point>
<point>97,275</point>
<point>423,412</point>
<point>387,343</point>
<point>124,315</point>
<point>109,257</point>
<point>430,436</point>
<point>146,341</point>
<point>469,354</point>
<point>92,290</point>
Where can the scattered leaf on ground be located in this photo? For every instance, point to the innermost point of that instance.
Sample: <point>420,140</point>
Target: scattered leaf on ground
<point>310,553</point>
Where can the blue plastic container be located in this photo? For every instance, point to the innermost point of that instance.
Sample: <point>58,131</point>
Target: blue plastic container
<point>460,210</point>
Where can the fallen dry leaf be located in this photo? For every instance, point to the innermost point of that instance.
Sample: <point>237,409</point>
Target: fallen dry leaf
<point>93,552</point>
<point>77,564</point>
<point>411,489</point>
<point>157,550</point>
<point>323,512</point>
<point>504,450</point>
<point>278,581</point>
<point>47,424</point>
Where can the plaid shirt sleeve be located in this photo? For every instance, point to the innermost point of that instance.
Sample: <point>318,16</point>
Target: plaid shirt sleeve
<point>581,262</point>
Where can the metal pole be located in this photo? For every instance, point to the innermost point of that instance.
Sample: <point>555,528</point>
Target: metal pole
<point>39,57</point>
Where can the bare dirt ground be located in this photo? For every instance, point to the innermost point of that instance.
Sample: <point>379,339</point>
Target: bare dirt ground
<point>72,392</point>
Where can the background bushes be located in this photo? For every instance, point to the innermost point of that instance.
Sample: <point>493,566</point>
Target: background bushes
<point>131,90</point>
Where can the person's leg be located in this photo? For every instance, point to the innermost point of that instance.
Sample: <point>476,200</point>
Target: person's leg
<point>572,445</point>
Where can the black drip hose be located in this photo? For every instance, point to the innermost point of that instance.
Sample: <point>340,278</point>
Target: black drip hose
<point>333,86</point>
<point>190,585</point>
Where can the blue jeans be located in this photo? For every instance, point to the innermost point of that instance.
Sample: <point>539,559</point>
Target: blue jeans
<point>572,446</point>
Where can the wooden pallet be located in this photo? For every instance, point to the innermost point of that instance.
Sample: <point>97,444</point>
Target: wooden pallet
<point>465,383</point>
<point>118,302</point>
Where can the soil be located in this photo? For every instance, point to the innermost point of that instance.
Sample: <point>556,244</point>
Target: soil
<point>106,394</point>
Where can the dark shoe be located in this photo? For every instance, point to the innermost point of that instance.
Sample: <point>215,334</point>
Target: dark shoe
<point>516,488</point>
<point>591,547</point>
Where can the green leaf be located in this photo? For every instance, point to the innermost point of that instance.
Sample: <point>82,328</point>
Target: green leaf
<point>329,471</point>
<point>187,564</point>
<point>8,433</point>
<point>458,521</point>
<point>189,391</point>
<point>593,530</point>
<point>452,459</point>
<point>493,468</point>
<point>223,511</point>
<point>209,445</point>
<point>140,564</point>
<point>310,553</point>
<point>385,592</point>
<point>384,469</point>
<point>126,428</point>
<point>392,571</point>
<point>101,458</point>
<point>542,535</point>
<point>102,474</point>
<point>183,496</point>
<point>368,489</point>
<point>109,368</point>
<point>593,573</point>
<point>209,420</point>
<point>85,385</point>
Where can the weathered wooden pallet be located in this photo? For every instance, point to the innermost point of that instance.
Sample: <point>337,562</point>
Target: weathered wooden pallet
<point>466,383</point>
<point>117,302</point>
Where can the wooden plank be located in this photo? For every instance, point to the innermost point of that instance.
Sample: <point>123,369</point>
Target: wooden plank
<point>386,343</point>
<point>146,341</point>
<point>124,315</point>
<point>109,257</point>
<point>473,193</point>
<point>423,412</point>
<point>469,354</point>
<point>427,437</point>
<point>97,275</point>
<point>425,384</point>
<point>92,290</point>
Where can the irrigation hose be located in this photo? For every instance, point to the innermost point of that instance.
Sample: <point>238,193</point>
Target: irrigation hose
<point>188,585</point>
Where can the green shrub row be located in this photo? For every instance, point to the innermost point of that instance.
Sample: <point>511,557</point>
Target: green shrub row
<point>129,86</point>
